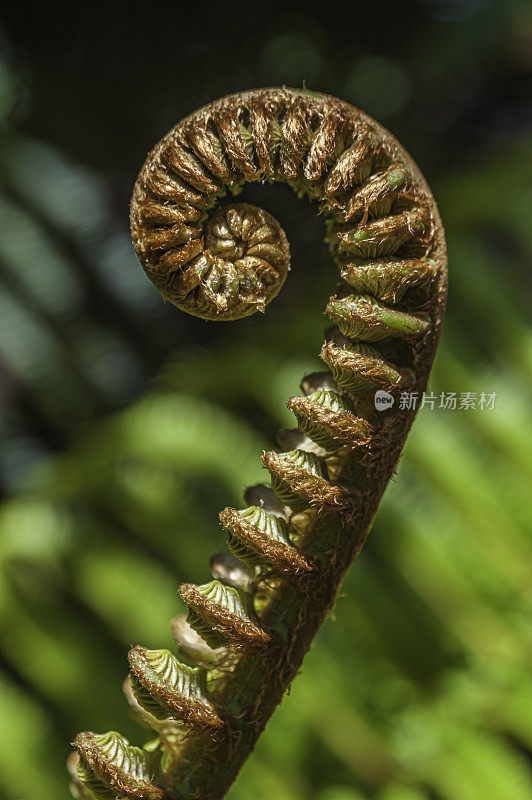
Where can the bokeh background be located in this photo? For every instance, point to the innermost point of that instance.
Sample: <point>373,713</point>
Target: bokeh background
<point>127,425</point>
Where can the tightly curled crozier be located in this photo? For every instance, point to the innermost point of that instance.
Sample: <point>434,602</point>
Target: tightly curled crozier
<point>248,630</point>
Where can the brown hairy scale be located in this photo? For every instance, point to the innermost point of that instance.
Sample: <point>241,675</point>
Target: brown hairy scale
<point>239,630</point>
<point>344,426</point>
<point>222,260</point>
<point>119,779</point>
<point>374,278</point>
<point>284,558</point>
<point>182,707</point>
<point>318,491</point>
<point>374,370</point>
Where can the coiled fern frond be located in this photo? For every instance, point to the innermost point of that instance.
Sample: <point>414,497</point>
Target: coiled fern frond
<point>248,630</point>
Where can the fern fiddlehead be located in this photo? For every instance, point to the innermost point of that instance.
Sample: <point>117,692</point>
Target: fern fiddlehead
<point>247,631</point>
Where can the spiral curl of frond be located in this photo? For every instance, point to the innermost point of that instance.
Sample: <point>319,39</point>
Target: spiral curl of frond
<point>248,630</point>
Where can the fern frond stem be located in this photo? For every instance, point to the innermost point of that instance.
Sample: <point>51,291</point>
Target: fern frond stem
<point>297,541</point>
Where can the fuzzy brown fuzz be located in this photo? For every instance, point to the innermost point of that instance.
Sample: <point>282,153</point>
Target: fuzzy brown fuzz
<point>343,426</point>
<point>283,557</point>
<point>185,707</point>
<point>116,776</point>
<point>318,491</point>
<point>242,632</point>
<point>375,371</point>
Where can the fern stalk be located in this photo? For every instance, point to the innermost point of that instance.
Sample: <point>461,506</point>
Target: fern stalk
<point>247,631</point>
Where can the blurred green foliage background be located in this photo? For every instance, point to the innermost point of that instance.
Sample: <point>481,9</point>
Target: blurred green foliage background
<point>126,426</point>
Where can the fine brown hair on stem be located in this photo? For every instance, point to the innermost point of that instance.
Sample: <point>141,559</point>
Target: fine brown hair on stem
<point>247,632</point>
